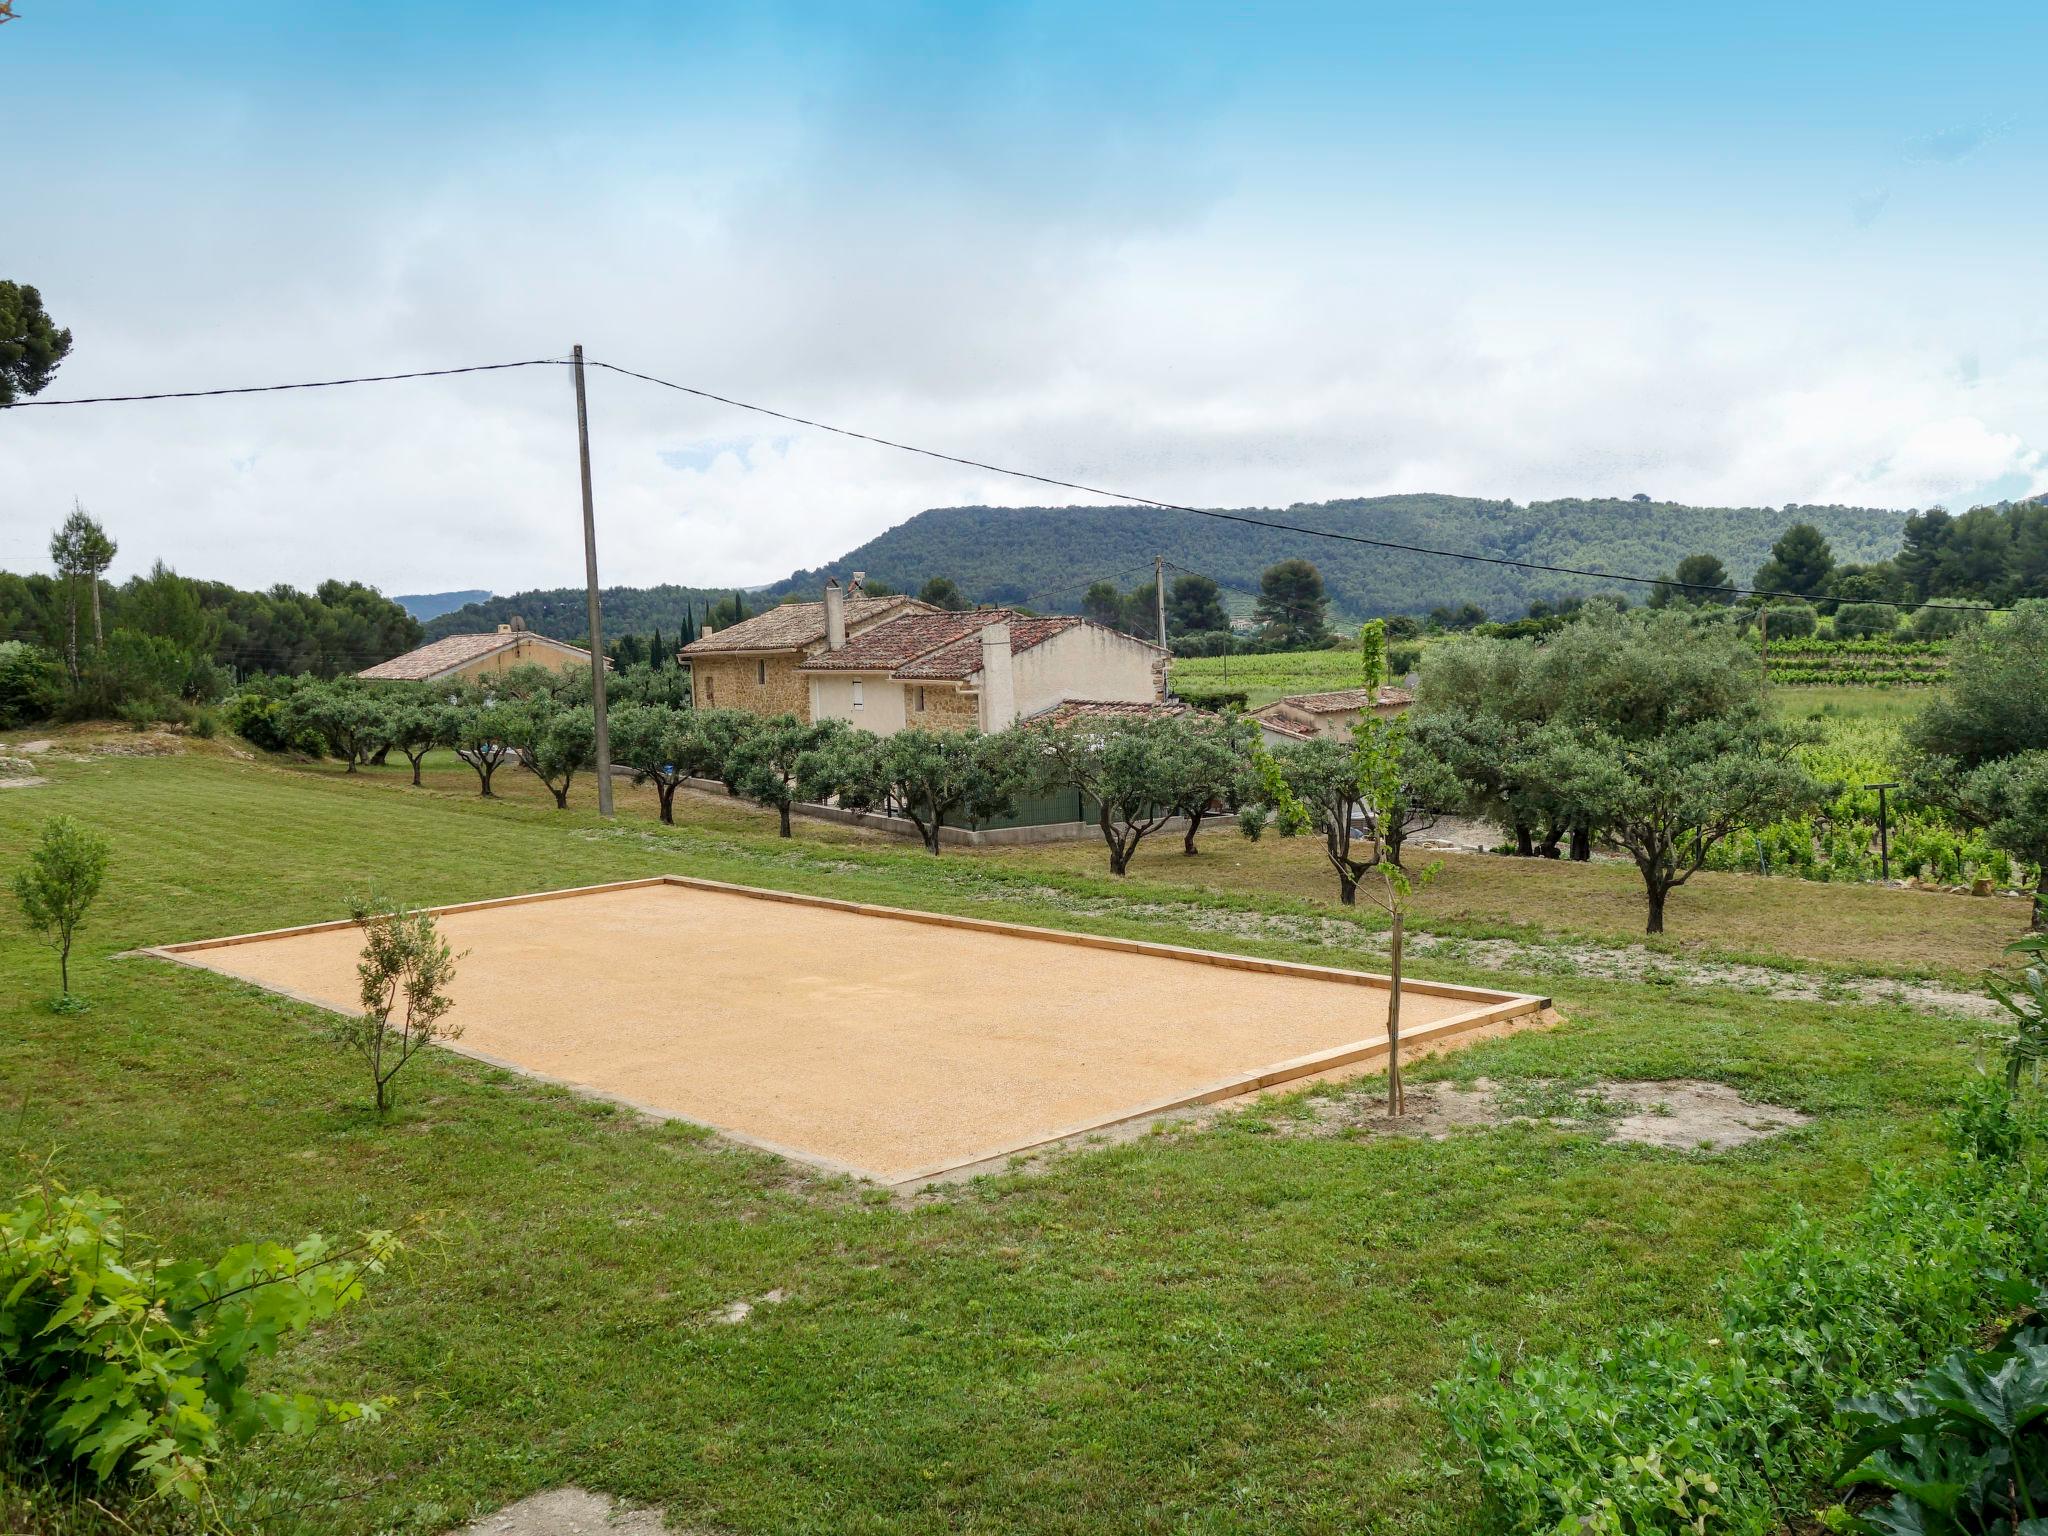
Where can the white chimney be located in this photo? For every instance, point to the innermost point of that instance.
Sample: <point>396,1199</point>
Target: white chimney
<point>859,577</point>
<point>998,678</point>
<point>835,616</point>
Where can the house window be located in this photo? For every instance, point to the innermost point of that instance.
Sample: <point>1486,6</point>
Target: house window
<point>859,702</point>
<point>710,691</point>
<point>761,673</point>
<point>920,701</point>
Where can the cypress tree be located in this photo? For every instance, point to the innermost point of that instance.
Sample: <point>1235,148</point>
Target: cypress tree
<point>654,650</point>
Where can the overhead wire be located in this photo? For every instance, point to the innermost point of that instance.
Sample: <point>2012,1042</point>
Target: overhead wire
<point>1245,519</point>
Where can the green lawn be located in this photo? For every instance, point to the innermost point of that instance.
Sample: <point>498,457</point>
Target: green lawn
<point>1269,677</point>
<point>1218,1329</point>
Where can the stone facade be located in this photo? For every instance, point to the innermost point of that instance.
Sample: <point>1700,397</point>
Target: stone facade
<point>761,685</point>
<point>946,708</point>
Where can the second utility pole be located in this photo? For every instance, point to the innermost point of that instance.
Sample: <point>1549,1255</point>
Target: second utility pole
<point>603,744</point>
<point>1159,591</point>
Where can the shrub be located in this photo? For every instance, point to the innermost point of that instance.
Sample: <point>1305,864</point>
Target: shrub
<point>261,715</point>
<point>1790,621</point>
<point>31,684</point>
<point>1664,1433</point>
<point>1865,621</point>
<point>1946,621</point>
<point>1965,1447</point>
<point>125,1368</point>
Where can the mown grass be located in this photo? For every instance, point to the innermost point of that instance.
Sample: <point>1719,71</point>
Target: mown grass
<point>1217,1329</point>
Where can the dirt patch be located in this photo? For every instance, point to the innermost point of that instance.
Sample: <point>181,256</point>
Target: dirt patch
<point>739,1311</point>
<point>568,1512</point>
<point>18,773</point>
<point>1681,1115</point>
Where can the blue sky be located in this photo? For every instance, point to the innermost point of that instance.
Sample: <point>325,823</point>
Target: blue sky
<point>1729,253</point>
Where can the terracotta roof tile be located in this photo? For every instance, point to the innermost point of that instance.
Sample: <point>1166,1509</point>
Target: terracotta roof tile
<point>890,644</point>
<point>445,655</point>
<point>793,626</point>
<point>1068,712</point>
<point>962,658</point>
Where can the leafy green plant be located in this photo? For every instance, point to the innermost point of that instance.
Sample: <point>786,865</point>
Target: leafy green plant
<point>405,970</point>
<point>1964,1448</point>
<point>2027,1001</point>
<point>1665,1433</point>
<point>63,874</point>
<point>129,1368</point>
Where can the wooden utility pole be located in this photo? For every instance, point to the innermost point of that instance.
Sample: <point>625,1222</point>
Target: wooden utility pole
<point>603,743</point>
<point>1166,687</point>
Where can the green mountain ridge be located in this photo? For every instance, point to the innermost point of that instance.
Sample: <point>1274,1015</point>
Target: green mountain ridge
<point>1046,557</point>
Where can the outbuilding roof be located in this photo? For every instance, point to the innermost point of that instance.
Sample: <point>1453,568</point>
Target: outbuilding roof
<point>1344,700</point>
<point>1071,710</point>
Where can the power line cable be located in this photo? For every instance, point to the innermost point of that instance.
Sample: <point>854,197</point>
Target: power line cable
<point>1233,517</point>
<point>265,389</point>
<point>1213,513</point>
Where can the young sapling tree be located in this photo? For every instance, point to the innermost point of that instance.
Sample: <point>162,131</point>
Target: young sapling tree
<point>64,873</point>
<point>405,970</point>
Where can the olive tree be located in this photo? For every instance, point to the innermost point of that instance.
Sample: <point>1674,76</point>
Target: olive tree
<point>931,776</point>
<point>473,721</point>
<point>1205,762</point>
<point>63,874</point>
<point>659,744</point>
<point>1671,799</point>
<point>349,719</point>
<point>785,752</point>
<point>414,721</point>
<point>721,736</point>
<point>553,741</point>
<point>1119,763</point>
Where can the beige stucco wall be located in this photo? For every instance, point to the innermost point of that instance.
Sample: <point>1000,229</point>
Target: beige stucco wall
<point>734,682</point>
<point>888,705</point>
<point>1085,662</point>
<point>881,711</point>
<point>528,652</point>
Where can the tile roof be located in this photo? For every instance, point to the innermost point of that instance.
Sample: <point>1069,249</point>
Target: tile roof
<point>1342,700</point>
<point>792,626</point>
<point>1070,710</point>
<point>445,655</point>
<point>888,645</point>
<point>962,658</point>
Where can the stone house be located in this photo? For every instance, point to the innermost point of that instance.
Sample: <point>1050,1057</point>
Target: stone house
<point>981,670</point>
<point>753,665</point>
<point>466,658</point>
<point>1304,716</point>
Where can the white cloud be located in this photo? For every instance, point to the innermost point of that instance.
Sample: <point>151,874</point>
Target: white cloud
<point>1227,354</point>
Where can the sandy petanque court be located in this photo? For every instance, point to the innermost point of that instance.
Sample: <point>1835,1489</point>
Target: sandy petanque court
<point>895,1045</point>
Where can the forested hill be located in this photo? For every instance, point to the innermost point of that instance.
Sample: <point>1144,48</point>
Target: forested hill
<point>1045,557</point>
<point>561,612</point>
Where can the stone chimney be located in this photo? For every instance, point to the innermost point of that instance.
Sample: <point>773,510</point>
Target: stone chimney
<point>859,578</point>
<point>998,678</point>
<point>835,616</point>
